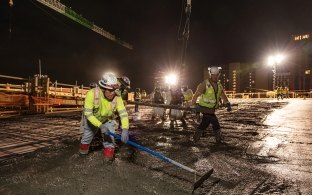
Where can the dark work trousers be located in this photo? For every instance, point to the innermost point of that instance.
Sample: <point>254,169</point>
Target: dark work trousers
<point>207,119</point>
<point>136,106</point>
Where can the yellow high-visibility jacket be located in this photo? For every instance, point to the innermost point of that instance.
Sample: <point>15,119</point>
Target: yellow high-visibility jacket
<point>210,98</point>
<point>188,95</point>
<point>137,96</point>
<point>98,110</point>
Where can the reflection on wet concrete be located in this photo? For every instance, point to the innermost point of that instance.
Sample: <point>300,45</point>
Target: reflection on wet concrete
<point>265,146</point>
<point>164,141</point>
<point>287,138</point>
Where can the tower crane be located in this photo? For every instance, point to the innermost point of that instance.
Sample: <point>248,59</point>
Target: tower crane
<point>184,35</point>
<point>68,12</point>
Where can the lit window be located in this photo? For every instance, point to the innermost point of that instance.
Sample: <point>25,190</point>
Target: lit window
<point>307,72</point>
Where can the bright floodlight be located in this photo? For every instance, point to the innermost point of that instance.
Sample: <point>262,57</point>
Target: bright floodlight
<point>276,59</point>
<point>171,79</point>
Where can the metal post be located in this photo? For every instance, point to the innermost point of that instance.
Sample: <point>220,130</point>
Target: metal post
<point>274,76</point>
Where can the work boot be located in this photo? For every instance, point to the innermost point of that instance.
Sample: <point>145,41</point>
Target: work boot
<point>163,118</point>
<point>183,123</point>
<point>197,135</point>
<point>108,153</point>
<point>198,118</point>
<point>218,136</point>
<point>171,124</point>
<point>84,149</point>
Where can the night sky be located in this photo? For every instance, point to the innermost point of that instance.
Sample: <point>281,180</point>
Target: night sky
<point>220,32</point>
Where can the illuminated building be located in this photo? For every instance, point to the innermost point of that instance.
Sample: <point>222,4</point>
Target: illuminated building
<point>295,72</point>
<point>302,61</point>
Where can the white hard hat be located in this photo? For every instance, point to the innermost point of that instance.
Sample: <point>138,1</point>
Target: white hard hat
<point>109,81</point>
<point>125,81</point>
<point>214,70</point>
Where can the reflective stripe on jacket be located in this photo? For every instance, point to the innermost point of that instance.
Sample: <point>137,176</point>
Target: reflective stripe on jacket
<point>98,112</point>
<point>211,97</point>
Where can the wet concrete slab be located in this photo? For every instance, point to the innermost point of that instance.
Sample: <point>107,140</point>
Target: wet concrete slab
<point>238,166</point>
<point>288,139</point>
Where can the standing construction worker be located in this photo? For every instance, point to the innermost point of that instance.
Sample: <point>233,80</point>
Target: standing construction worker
<point>143,94</point>
<point>210,92</point>
<point>188,94</point>
<point>174,114</point>
<point>100,104</point>
<point>279,93</point>
<point>157,98</point>
<point>137,98</point>
<point>286,92</point>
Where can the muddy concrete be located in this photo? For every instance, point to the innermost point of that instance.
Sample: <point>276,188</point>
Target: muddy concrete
<point>244,164</point>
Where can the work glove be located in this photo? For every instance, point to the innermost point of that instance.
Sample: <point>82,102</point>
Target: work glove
<point>124,135</point>
<point>193,108</point>
<point>104,129</point>
<point>118,92</point>
<point>228,106</point>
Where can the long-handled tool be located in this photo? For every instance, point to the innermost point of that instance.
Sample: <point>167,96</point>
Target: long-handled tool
<point>166,159</point>
<point>177,107</point>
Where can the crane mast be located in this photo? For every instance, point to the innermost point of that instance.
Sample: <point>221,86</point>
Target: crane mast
<point>184,37</point>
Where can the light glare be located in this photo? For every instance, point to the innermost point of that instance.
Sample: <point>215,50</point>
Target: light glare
<point>171,79</point>
<point>275,59</point>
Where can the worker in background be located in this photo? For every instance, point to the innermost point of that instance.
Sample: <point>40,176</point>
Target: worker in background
<point>174,114</point>
<point>157,98</point>
<point>279,93</point>
<point>188,94</point>
<point>210,92</point>
<point>166,93</point>
<point>286,92</point>
<point>124,87</point>
<point>143,95</point>
<point>124,83</point>
<point>100,104</point>
<point>93,85</point>
<point>137,98</point>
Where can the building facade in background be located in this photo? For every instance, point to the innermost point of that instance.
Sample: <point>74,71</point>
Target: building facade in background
<point>302,70</point>
<point>295,72</point>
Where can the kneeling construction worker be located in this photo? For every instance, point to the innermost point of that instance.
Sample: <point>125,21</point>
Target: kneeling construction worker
<point>210,92</point>
<point>100,104</point>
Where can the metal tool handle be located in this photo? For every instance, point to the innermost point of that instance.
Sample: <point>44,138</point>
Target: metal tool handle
<point>158,155</point>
